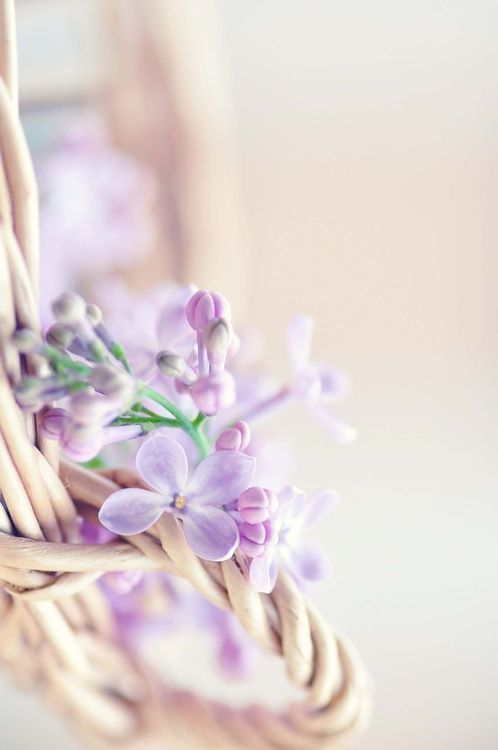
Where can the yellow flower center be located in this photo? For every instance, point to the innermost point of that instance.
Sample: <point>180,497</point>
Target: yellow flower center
<point>180,502</point>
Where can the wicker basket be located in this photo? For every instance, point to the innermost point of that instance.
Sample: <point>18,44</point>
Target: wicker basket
<point>56,627</point>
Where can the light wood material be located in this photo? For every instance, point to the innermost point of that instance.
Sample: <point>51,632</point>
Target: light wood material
<point>56,626</point>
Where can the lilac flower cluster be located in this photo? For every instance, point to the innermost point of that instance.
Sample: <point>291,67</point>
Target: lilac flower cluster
<point>181,383</point>
<point>221,511</point>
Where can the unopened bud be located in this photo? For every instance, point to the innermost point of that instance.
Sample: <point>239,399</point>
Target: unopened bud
<point>25,340</point>
<point>253,538</point>
<point>94,314</point>
<point>256,504</point>
<point>91,409</point>
<point>203,307</point>
<point>218,336</point>
<point>32,392</point>
<point>27,393</point>
<point>53,422</point>
<point>115,384</point>
<point>59,335</point>
<point>69,308</point>
<point>234,438</point>
<point>171,364</point>
<point>213,393</point>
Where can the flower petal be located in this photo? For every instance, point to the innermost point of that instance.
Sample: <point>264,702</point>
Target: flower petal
<point>131,511</point>
<point>334,383</point>
<point>306,561</point>
<point>263,571</point>
<point>317,507</point>
<point>221,478</point>
<point>292,503</point>
<point>339,430</point>
<point>210,532</point>
<point>162,463</point>
<point>143,361</point>
<point>299,334</point>
<point>122,432</point>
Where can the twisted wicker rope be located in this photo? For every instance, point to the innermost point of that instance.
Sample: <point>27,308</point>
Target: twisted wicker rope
<point>56,628</point>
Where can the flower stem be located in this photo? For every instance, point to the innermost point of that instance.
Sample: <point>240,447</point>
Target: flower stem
<point>57,357</point>
<point>117,350</point>
<point>199,420</point>
<point>138,419</point>
<point>184,422</point>
<point>266,406</point>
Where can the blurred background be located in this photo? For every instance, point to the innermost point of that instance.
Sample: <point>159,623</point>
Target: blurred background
<point>339,159</point>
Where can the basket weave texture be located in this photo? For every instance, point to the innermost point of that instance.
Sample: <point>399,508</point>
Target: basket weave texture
<point>56,627</point>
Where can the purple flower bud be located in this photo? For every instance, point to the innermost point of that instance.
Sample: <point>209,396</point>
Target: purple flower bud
<point>59,335</point>
<point>92,409</point>
<point>256,504</point>
<point>204,307</point>
<point>94,314</point>
<point>69,308</point>
<point>81,442</point>
<point>217,336</point>
<point>254,537</point>
<point>31,393</point>
<point>53,422</point>
<point>214,392</point>
<point>26,340</point>
<point>235,438</point>
<point>113,383</point>
<point>171,365</point>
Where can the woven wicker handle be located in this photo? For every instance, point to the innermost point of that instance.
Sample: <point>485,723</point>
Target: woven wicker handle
<point>56,627</point>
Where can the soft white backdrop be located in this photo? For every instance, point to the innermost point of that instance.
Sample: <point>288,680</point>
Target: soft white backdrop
<point>368,148</point>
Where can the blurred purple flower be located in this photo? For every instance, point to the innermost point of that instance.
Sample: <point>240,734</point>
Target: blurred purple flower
<point>284,545</point>
<point>84,429</point>
<point>315,383</point>
<point>274,460</point>
<point>96,208</point>
<point>162,604</point>
<point>159,323</point>
<point>162,463</point>
<point>214,392</point>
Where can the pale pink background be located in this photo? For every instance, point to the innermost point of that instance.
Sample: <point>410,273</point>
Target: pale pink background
<point>368,148</point>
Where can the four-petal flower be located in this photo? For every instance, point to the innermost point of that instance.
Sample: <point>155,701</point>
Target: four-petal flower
<point>296,513</point>
<point>198,501</point>
<point>315,383</point>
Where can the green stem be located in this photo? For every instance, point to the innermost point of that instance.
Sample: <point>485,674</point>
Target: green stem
<point>199,420</point>
<point>137,419</point>
<point>59,358</point>
<point>117,350</point>
<point>184,422</point>
<point>141,409</point>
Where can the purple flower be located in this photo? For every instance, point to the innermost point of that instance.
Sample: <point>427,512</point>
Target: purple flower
<point>159,324</point>
<point>295,515</point>
<point>316,384</point>
<point>82,441</point>
<point>85,428</point>
<point>218,480</point>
